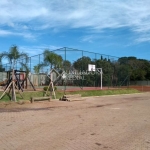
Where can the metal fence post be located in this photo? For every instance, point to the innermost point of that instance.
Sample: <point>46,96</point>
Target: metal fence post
<point>65,71</point>
<point>82,71</point>
<point>108,73</point>
<point>30,64</point>
<point>95,70</point>
<point>39,73</point>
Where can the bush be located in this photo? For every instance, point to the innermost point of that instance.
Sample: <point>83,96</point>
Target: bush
<point>50,89</point>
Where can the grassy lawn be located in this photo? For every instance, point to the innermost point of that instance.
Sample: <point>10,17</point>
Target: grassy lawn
<point>28,94</point>
<point>104,92</point>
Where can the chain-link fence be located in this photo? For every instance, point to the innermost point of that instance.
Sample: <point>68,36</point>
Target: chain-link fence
<point>73,70</point>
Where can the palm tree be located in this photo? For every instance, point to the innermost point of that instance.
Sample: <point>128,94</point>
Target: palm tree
<point>38,67</point>
<point>59,61</point>
<point>13,55</point>
<point>1,66</point>
<point>52,59</point>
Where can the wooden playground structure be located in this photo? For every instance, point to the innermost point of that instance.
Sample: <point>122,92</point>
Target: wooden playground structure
<point>18,80</point>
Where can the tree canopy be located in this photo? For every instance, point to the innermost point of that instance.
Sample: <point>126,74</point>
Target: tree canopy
<point>52,59</point>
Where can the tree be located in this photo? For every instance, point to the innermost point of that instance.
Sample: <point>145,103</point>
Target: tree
<point>135,69</point>
<point>52,59</point>
<point>58,61</point>
<point>67,64</point>
<point>107,69</point>
<point>82,63</point>
<point>38,67</point>
<point>146,67</point>
<point>1,66</point>
<point>13,55</point>
<point>123,60</point>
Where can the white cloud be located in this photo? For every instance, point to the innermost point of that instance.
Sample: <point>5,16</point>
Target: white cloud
<point>96,14</point>
<point>89,38</point>
<point>5,33</point>
<point>24,34</point>
<point>143,38</point>
<point>36,50</point>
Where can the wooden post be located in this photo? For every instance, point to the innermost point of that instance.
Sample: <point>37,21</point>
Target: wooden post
<point>13,98</point>
<point>51,86</point>
<point>11,88</point>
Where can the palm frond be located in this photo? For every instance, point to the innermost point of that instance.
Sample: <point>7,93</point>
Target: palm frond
<point>13,55</point>
<point>6,55</point>
<point>24,56</point>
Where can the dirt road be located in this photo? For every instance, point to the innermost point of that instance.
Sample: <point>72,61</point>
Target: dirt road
<point>98,123</point>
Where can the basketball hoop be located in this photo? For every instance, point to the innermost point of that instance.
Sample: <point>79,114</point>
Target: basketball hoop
<point>91,67</point>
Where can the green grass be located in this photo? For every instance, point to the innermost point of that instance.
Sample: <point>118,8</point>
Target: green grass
<point>28,94</point>
<point>104,92</point>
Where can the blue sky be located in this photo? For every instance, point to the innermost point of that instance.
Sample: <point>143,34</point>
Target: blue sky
<point>113,27</point>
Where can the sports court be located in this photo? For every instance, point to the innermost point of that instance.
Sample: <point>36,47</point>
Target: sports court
<point>96,123</point>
